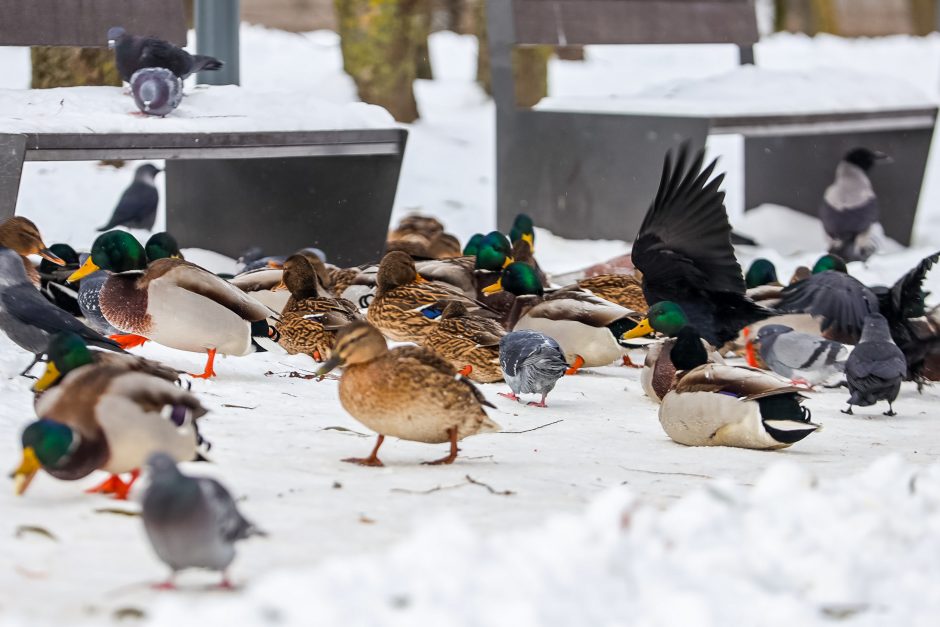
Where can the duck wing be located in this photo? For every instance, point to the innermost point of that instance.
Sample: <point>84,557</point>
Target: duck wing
<point>193,278</point>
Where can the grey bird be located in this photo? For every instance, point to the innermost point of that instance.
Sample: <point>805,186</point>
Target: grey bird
<point>156,91</point>
<point>800,357</point>
<point>137,208</point>
<point>89,300</point>
<point>875,368</point>
<point>532,363</point>
<point>132,52</point>
<point>192,522</point>
<point>849,209</point>
<point>840,303</point>
<point>29,319</point>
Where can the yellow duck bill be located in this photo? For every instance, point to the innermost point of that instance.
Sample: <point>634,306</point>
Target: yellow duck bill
<point>89,267</point>
<point>494,288</point>
<point>48,378</point>
<point>27,469</point>
<point>641,329</point>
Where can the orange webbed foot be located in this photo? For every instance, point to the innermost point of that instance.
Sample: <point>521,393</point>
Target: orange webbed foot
<point>129,340</point>
<point>576,366</point>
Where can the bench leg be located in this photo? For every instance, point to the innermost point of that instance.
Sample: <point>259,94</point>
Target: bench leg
<point>12,153</point>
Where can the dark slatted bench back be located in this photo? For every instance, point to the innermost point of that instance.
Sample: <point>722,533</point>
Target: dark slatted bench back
<point>580,22</point>
<point>86,22</point>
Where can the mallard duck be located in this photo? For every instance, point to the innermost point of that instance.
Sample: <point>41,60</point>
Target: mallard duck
<point>266,285</point>
<point>761,272</point>
<point>104,417</point>
<point>469,342</point>
<point>532,363</point>
<point>68,352</point>
<point>416,224</point>
<point>310,320</point>
<point>52,277</point>
<point>622,289</point>
<point>587,328</point>
<point>162,246</point>
<point>406,305</point>
<point>683,349</point>
<point>684,251</point>
<point>719,405</point>
<point>173,302</point>
<point>523,228</point>
<point>473,244</point>
<point>21,235</point>
<point>407,392</point>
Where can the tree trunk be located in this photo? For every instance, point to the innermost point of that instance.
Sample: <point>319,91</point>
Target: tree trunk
<point>56,66</point>
<point>923,16</point>
<point>530,74</point>
<point>422,54</point>
<point>824,17</point>
<point>380,40</point>
<point>484,77</point>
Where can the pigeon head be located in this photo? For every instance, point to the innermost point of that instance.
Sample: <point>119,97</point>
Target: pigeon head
<point>875,329</point>
<point>117,251</point>
<point>523,228</point>
<point>114,34</point>
<point>830,262</point>
<point>64,252</point>
<point>664,317</point>
<point>162,246</point>
<point>162,467</point>
<point>156,90</point>
<point>494,253</point>
<point>473,244</point>
<point>357,343</point>
<point>865,158</point>
<point>67,351</point>
<point>46,444</point>
<point>771,330</point>
<point>517,278</point>
<point>761,272</point>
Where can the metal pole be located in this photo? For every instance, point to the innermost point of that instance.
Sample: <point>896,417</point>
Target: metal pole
<point>217,35</point>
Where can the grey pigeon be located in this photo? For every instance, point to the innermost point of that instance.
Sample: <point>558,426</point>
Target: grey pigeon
<point>156,90</point>
<point>137,208</point>
<point>192,522</point>
<point>800,357</point>
<point>29,319</point>
<point>132,53</point>
<point>89,295</point>
<point>532,363</point>
<point>849,209</point>
<point>876,367</point>
<point>840,302</point>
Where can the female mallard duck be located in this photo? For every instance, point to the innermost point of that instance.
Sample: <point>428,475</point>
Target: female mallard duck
<point>406,305</point>
<point>621,289</point>
<point>173,302</point>
<point>104,417</point>
<point>407,392</point>
<point>469,342</point>
<point>587,328</point>
<point>266,285</point>
<point>310,319</point>
<point>718,405</point>
<point>22,236</point>
<point>682,350</point>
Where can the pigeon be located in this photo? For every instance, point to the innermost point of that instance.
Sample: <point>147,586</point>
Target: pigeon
<point>876,367</point>
<point>840,302</point>
<point>156,91</point>
<point>28,319</point>
<point>849,210</point>
<point>132,53</point>
<point>137,208</point>
<point>800,357</point>
<point>532,363</point>
<point>192,522</point>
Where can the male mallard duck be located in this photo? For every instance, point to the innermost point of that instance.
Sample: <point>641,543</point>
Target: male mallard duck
<point>67,352</point>
<point>761,272</point>
<point>532,363</point>
<point>310,319</point>
<point>473,244</point>
<point>684,251</point>
<point>587,328</point>
<point>718,405</point>
<point>52,277</point>
<point>21,235</point>
<point>108,418</point>
<point>174,302</point>
<point>683,349</point>
<point>469,342</point>
<point>162,246</point>
<point>407,392</point>
<point>622,289</point>
<point>523,228</point>
<point>406,305</point>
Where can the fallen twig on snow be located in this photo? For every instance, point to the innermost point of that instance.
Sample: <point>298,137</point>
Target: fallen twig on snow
<point>548,424</point>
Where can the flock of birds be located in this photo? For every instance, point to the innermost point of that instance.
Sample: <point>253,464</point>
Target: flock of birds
<point>483,313</point>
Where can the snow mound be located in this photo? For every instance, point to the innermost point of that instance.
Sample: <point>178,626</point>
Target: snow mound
<point>205,109</point>
<point>789,550</point>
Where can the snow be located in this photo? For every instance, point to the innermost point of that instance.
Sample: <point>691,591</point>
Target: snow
<point>608,521</point>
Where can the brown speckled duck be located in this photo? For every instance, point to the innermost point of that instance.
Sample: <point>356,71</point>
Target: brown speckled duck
<point>21,235</point>
<point>622,289</point>
<point>407,392</point>
<point>469,342</point>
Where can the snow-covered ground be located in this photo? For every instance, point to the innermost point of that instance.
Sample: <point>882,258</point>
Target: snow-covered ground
<point>584,513</point>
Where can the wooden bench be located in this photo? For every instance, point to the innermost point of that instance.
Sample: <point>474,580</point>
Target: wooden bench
<point>225,191</point>
<point>588,174</point>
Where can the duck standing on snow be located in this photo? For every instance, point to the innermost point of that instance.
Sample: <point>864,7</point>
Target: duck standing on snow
<point>173,302</point>
<point>137,208</point>
<point>407,392</point>
<point>803,358</point>
<point>469,342</point>
<point>106,417</point>
<point>684,251</point>
<point>849,210</point>
<point>532,363</point>
<point>191,522</point>
<point>876,367</point>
